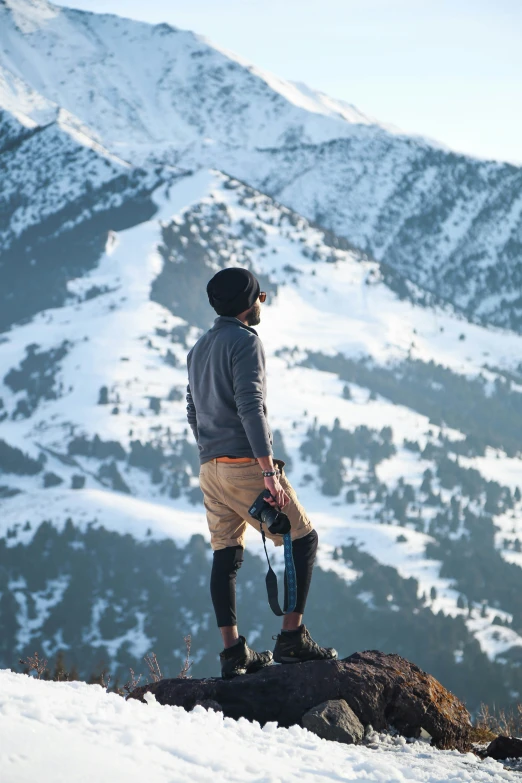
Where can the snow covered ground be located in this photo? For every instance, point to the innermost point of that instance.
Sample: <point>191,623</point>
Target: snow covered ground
<point>71,732</point>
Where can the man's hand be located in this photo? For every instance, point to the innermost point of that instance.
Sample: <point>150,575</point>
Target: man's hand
<point>272,484</point>
<point>279,497</point>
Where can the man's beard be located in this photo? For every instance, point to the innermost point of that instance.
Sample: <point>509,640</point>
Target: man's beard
<point>254,315</point>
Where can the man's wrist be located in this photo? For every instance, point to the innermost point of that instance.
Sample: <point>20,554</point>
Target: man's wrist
<point>266,463</point>
<point>268,468</point>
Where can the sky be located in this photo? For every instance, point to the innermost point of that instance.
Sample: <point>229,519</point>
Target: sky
<point>447,69</point>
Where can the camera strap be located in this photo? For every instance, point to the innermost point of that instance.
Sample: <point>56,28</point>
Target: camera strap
<point>290,578</point>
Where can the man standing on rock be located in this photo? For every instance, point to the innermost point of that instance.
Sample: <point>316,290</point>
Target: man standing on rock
<point>227,413</point>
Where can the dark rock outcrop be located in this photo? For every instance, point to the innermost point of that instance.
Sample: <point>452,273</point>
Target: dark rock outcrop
<point>382,690</point>
<point>334,720</point>
<point>505,748</point>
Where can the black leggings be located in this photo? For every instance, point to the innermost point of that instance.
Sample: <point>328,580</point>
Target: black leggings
<point>228,561</point>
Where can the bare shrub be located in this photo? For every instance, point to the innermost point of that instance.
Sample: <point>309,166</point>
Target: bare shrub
<point>184,673</point>
<point>61,673</point>
<point>33,663</point>
<point>105,680</point>
<point>132,682</point>
<point>500,721</point>
<point>154,668</point>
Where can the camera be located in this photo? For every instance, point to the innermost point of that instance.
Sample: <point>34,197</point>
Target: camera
<point>276,522</point>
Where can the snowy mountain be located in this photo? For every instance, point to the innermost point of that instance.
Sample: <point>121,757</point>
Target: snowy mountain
<point>399,415</point>
<point>33,197</point>
<point>416,503</point>
<point>188,95</point>
<point>61,191</point>
<point>448,222</point>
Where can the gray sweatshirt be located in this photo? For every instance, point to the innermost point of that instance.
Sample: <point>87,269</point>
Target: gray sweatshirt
<point>226,393</point>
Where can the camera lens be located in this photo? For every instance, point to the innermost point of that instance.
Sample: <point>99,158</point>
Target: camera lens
<point>269,515</point>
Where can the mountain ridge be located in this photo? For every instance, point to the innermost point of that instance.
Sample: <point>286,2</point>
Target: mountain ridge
<point>448,222</point>
<point>51,225</point>
<point>194,45</point>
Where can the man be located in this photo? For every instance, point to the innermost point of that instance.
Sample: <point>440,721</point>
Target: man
<point>227,413</point>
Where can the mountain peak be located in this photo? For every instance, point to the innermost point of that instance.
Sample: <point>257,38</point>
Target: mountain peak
<point>186,92</point>
<point>29,15</point>
<point>160,96</point>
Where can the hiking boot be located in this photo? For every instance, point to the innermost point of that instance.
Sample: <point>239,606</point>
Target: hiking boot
<point>298,647</point>
<point>240,659</point>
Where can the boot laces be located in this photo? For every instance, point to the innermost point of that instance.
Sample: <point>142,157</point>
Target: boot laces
<point>312,643</point>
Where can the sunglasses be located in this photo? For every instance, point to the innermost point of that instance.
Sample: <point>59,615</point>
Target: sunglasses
<point>262,296</point>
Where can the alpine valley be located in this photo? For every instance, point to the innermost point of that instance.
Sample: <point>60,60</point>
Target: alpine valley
<point>136,161</point>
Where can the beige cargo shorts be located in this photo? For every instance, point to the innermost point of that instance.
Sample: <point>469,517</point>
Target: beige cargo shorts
<point>230,489</point>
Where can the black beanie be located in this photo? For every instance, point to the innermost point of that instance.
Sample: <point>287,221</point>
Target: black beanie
<point>232,291</point>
